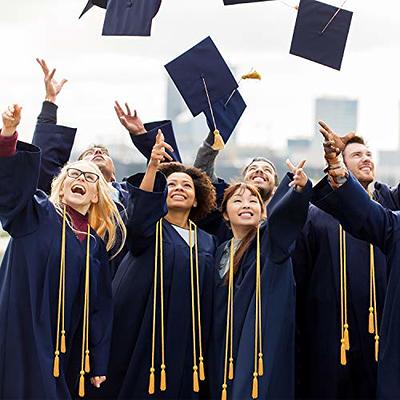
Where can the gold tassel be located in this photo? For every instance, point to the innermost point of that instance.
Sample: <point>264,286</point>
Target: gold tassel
<point>230,374</point>
<point>163,379</point>
<point>254,391</point>
<point>87,361</point>
<point>260,365</point>
<point>82,384</point>
<point>224,394</point>
<point>252,75</point>
<point>376,348</point>
<point>63,345</point>
<point>371,320</point>
<point>151,382</point>
<point>346,337</point>
<point>195,380</point>
<point>202,375</point>
<point>343,359</point>
<point>218,141</point>
<point>56,365</point>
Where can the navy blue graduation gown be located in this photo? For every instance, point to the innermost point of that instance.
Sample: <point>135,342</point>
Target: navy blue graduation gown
<point>56,143</point>
<point>319,373</point>
<point>133,303</point>
<point>29,286</point>
<point>369,221</point>
<point>277,236</point>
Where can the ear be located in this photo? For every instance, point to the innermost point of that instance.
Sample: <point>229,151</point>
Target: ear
<point>95,199</point>
<point>225,216</point>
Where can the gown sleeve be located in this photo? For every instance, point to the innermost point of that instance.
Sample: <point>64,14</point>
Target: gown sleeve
<point>144,210</point>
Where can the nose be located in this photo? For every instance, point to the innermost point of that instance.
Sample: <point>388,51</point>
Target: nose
<point>80,178</point>
<point>98,152</point>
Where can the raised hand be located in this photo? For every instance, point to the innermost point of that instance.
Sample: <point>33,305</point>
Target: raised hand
<point>333,142</point>
<point>299,177</point>
<point>159,154</point>
<point>11,118</point>
<point>96,381</point>
<point>131,122</point>
<point>53,87</point>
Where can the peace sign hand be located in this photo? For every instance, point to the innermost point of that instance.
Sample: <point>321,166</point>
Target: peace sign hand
<point>299,177</point>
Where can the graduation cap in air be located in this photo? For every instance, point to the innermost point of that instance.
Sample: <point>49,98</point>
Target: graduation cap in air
<point>320,33</point>
<point>205,82</point>
<point>145,142</point>
<point>130,17</point>
<point>91,3</point>
<point>231,2</point>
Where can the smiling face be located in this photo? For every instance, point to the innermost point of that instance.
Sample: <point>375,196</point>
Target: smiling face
<point>100,156</point>
<point>79,189</point>
<point>359,161</point>
<point>181,192</point>
<point>261,174</point>
<point>243,209</point>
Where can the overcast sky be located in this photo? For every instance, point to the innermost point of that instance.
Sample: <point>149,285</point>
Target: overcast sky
<point>101,69</point>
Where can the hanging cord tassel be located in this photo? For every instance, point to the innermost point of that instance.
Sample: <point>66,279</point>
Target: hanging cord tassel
<point>260,354</point>
<point>196,387</point>
<point>202,375</point>
<point>228,334</point>
<point>87,358</point>
<point>346,325</point>
<point>376,337</point>
<point>254,391</point>
<point>231,368</point>
<point>371,290</point>
<point>343,360</point>
<point>61,301</point>
<point>163,377</point>
<point>218,141</point>
<point>153,338</point>
<point>85,328</point>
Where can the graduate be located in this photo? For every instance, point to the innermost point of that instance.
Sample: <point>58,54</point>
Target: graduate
<point>163,289</point>
<point>254,311</point>
<point>343,197</point>
<point>337,279</point>
<point>55,284</point>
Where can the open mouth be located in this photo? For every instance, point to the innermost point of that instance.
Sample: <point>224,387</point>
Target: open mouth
<point>246,214</point>
<point>258,179</point>
<point>366,168</point>
<point>178,196</point>
<point>78,189</point>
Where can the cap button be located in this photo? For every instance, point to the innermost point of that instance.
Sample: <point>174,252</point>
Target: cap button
<point>129,3</point>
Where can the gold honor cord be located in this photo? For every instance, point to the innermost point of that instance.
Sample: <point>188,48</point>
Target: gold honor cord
<point>158,253</point>
<point>260,354</point>
<point>229,325</point>
<point>85,364</point>
<point>257,326</point>
<point>61,303</point>
<point>373,311</point>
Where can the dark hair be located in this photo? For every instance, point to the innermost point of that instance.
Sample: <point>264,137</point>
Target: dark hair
<point>246,241</point>
<point>94,146</point>
<point>356,139</point>
<point>204,189</point>
<point>255,159</point>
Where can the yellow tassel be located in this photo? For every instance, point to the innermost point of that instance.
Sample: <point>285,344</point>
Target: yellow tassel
<point>63,345</point>
<point>56,366</point>
<point>87,361</point>
<point>376,348</point>
<point>195,380</point>
<point>218,141</point>
<point>230,373</point>
<point>202,374</point>
<point>82,385</point>
<point>346,337</point>
<point>254,391</point>
<point>163,379</point>
<point>371,320</point>
<point>151,381</point>
<point>224,394</point>
<point>260,365</point>
<point>343,359</point>
<point>252,75</point>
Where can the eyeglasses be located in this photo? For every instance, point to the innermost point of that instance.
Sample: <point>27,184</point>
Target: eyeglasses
<point>75,173</point>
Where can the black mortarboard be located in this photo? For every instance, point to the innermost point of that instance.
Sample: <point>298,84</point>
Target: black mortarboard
<point>320,33</point>
<point>226,113</point>
<point>145,142</point>
<point>203,78</point>
<point>91,3</point>
<point>231,2</point>
<point>130,17</point>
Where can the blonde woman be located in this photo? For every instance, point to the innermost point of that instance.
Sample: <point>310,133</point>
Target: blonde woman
<point>55,285</point>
